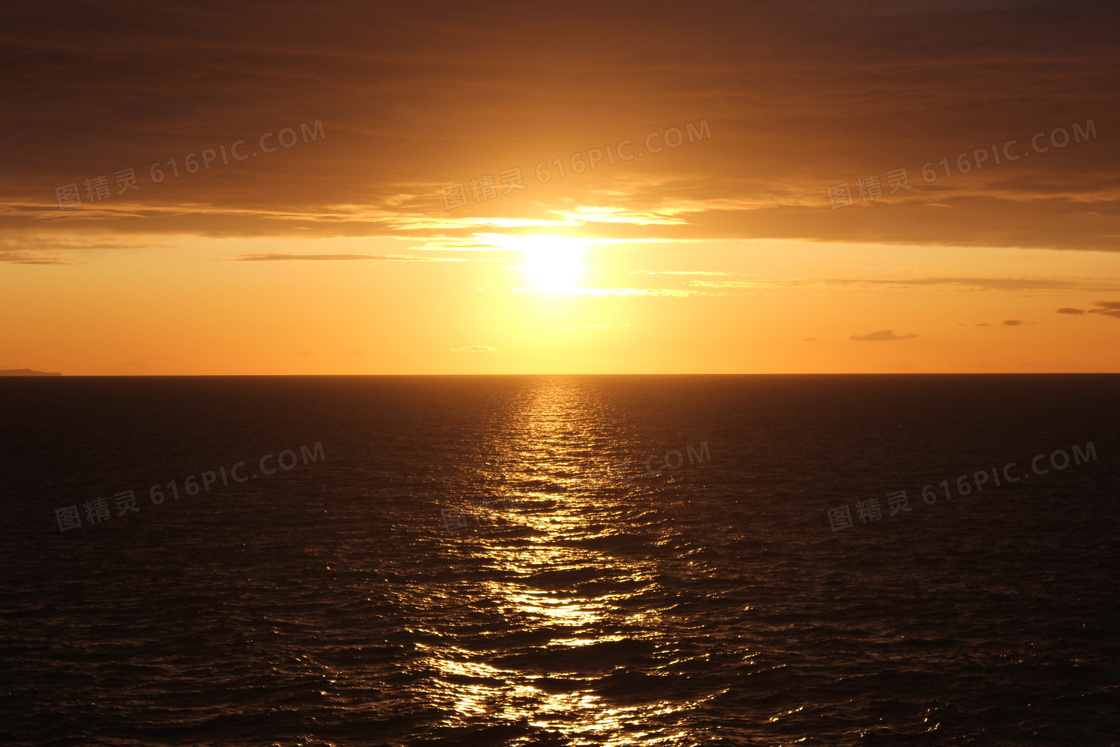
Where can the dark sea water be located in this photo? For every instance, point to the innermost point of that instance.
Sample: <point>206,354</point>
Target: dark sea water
<point>488,561</point>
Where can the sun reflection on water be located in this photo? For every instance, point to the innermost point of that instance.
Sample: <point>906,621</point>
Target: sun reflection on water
<point>558,662</point>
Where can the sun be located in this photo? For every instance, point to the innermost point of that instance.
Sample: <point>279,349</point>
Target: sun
<point>552,263</point>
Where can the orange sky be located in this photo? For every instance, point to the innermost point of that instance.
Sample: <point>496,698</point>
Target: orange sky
<point>331,246</point>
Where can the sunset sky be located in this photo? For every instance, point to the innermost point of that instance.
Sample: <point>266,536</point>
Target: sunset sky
<point>332,239</point>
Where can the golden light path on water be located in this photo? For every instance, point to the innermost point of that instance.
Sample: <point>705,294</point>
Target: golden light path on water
<point>552,433</point>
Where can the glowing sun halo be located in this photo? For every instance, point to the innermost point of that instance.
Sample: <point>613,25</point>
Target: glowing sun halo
<point>552,263</point>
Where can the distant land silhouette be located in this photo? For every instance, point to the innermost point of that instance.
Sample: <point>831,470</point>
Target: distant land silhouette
<point>25,372</point>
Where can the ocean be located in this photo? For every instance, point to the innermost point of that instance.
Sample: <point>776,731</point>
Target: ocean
<point>560,560</point>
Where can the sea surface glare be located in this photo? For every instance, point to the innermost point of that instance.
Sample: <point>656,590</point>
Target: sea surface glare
<point>569,560</point>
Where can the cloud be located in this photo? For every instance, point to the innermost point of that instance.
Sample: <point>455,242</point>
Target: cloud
<point>883,335</point>
<point>1108,308</point>
<point>414,97</point>
<point>276,257</point>
<point>619,292</point>
<point>475,349</point>
<point>586,214</point>
<point>951,283</point>
<point>27,258</point>
<point>677,272</point>
<point>1012,323</point>
<point>808,339</point>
